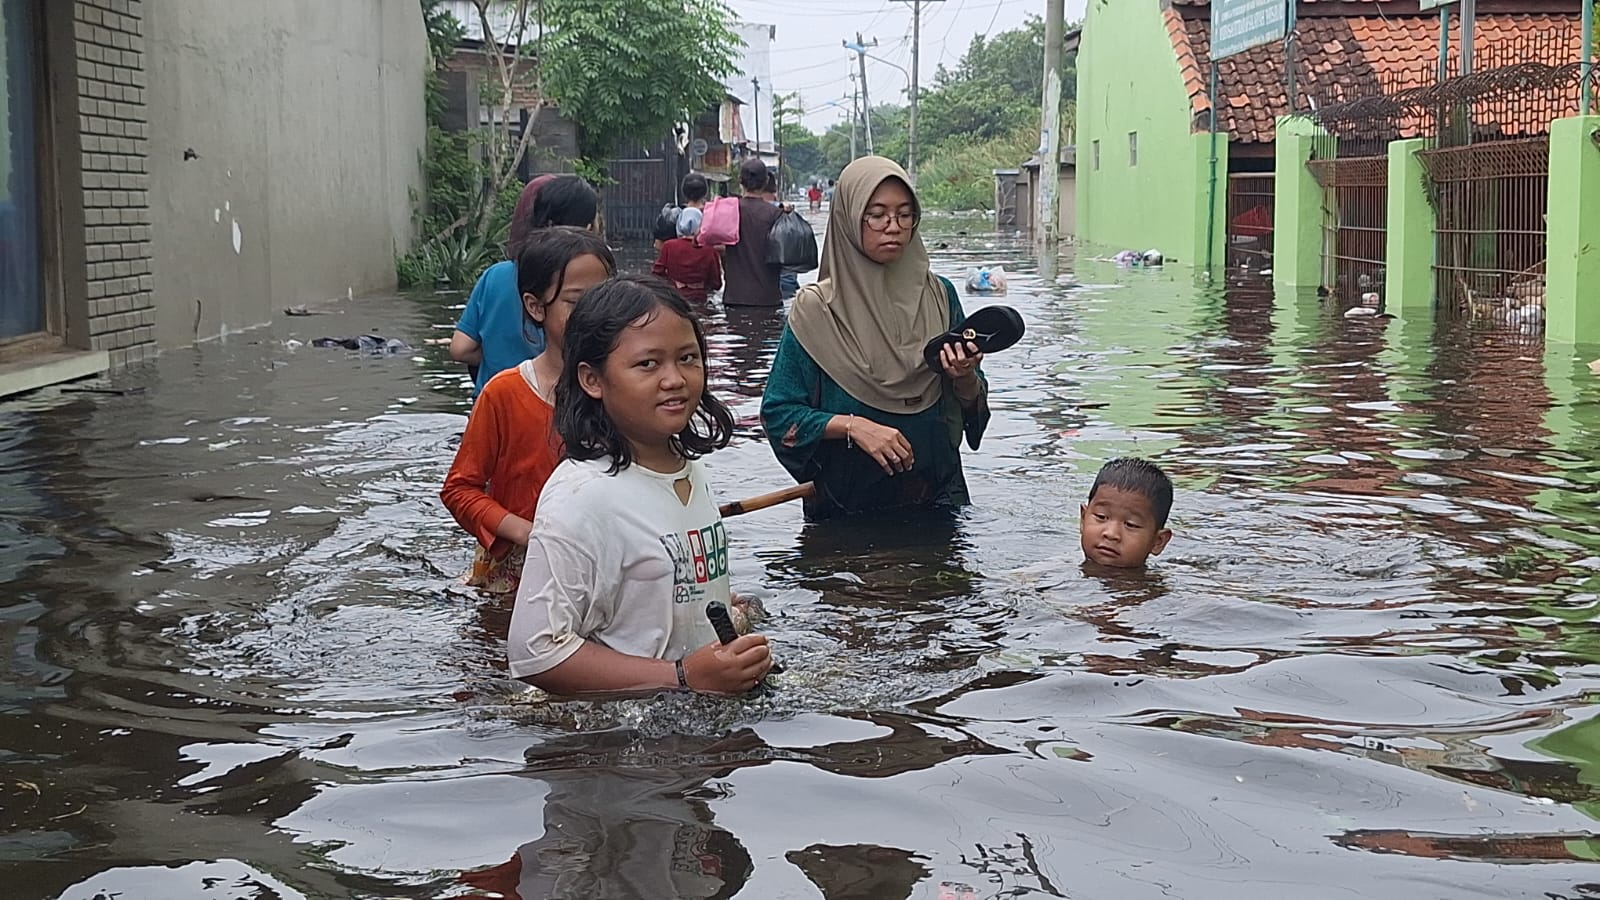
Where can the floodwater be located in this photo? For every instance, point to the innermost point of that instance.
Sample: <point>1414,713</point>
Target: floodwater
<point>233,663</point>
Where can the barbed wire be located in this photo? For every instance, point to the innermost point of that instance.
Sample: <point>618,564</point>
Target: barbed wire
<point>1514,81</point>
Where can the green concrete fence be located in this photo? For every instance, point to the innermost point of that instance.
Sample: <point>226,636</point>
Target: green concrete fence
<point>1572,277</point>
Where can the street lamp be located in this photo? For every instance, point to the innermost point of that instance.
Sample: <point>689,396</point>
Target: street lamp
<point>851,45</point>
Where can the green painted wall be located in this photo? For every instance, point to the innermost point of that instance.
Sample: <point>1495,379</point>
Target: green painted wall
<point>1128,82</point>
<point>1410,240</point>
<point>1298,206</point>
<point>1572,272</point>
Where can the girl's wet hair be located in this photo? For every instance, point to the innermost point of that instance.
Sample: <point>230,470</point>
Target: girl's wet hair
<point>1138,476</point>
<point>564,200</point>
<point>542,263</point>
<point>603,312</point>
<point>666,226</point>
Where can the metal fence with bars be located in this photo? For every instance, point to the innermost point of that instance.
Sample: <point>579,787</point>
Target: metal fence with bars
<point>644,178</point>
<point>1490,202</point>
<point>1489,180</point>
<point>1250,219</point>
<point>1487,169</point>
<point>1355,229</point>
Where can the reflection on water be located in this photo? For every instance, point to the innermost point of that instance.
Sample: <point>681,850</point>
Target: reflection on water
<point>233,662</point>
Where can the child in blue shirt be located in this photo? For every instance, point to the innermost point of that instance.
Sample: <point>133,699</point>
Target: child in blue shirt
<point>491,336</point>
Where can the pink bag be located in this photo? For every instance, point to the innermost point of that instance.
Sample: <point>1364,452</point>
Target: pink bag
<point>720,227</point>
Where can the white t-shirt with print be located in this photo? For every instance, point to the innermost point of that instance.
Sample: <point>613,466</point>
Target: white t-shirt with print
<point>621,561</point>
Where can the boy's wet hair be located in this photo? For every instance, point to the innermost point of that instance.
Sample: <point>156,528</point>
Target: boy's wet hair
<point>543,259</point>
<point>1138,476</point>
<point>695,187</point>
<point>593,329</point>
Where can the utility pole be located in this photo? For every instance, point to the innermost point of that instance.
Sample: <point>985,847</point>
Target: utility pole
<point>860,48</point>
<point>756,83</point>
<point>1050,165</point>
<point>916,60</point>
<point>777,137</point>
<point>855,114</point>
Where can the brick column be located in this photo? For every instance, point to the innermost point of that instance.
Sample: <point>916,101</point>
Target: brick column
<point>116,184</point>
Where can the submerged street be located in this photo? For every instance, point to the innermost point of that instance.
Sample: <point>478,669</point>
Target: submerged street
<point>234,661</point>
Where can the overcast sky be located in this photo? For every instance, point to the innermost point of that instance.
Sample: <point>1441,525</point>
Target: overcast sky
<point>807,56</point>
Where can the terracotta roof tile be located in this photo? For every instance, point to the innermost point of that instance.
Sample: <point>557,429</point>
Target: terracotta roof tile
<point>1342,58</point>
<point>1188,65</point>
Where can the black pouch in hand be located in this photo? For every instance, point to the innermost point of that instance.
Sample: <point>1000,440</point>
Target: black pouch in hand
<point>991,329</point>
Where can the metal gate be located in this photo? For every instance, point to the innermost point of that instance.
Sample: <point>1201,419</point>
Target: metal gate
<point>1005,199</point>
<point>1355,230</point>
<point>643,180</point>
<point>1250,218</point>
<point>1491,200</point>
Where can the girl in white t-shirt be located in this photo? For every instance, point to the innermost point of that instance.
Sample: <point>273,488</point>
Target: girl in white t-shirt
<point>627,547</point>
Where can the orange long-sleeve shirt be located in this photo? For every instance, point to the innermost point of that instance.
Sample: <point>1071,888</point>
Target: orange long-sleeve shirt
<point>508,452</point>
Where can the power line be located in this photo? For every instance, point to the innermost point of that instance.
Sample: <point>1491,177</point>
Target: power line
<point>992,19</point>
<point>826,62</point>
<point>810,48</point>
<point>944,42</point>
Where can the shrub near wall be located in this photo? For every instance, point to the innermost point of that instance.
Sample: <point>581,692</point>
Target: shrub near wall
<point>960,175</point>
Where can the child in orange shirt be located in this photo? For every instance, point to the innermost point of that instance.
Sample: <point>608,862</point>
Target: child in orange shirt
<point>511,445</point>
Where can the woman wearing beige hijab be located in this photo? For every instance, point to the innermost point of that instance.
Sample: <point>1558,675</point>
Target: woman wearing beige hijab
<point>850,403</point>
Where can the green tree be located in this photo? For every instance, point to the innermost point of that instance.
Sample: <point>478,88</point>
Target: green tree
<point>891,131</point>
<point>835,147</point>
<point>803,159</point>
<point>993,90</point>
<point>634,71</point>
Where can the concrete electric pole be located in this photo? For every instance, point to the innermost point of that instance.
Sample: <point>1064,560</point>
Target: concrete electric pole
<point>916,61</point>
<point>860,48</point>
<point>756,84</point>
<point>1050,165</point>
<point>855,115</point>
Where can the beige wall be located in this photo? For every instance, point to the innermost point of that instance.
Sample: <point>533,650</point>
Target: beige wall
<point>307,119</point>
<point>1028,197</point>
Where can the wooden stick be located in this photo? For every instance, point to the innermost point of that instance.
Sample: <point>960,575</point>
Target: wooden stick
<point>740,507</point>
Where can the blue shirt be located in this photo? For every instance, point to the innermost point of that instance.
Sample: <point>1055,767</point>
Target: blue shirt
<point>494,319</point>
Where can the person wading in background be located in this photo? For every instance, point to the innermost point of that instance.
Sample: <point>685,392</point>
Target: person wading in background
<point>747,278</point>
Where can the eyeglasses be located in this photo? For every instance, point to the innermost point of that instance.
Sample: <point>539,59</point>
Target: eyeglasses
<point>879,221</point>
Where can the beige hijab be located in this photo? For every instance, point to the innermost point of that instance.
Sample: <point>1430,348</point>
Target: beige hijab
<point>865,324</point>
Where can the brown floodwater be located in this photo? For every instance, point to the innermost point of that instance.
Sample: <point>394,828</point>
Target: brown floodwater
<point>234,662</point>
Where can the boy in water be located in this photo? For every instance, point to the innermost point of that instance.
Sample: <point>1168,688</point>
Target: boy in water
<point>695,190</point>
<point>1125,521</point>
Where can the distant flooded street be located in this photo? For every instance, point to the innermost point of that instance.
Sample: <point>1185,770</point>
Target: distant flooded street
<point>235,662</point>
